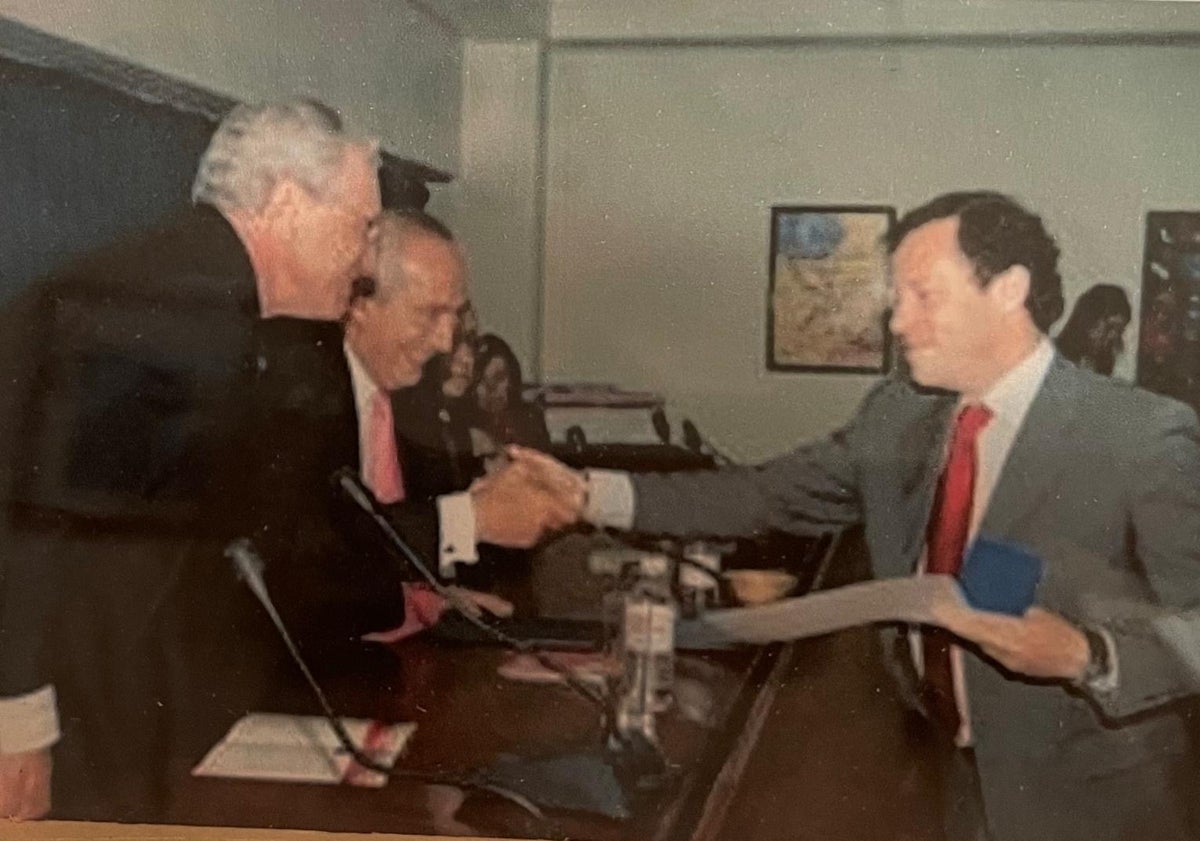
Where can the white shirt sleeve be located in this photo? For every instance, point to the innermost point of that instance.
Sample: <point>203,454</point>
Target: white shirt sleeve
<point>456,529</point>
<point>29,722</point>
<point>609,499</point>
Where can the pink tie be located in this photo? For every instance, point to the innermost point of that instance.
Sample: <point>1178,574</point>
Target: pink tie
<point>383,463</point>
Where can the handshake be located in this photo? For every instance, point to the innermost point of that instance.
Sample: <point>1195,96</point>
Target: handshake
<point>532,494</point>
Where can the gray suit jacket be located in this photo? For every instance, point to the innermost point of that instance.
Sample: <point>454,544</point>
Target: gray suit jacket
<point>1102,483</point>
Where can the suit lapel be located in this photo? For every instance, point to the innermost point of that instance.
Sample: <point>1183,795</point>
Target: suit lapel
<point>1037,455</point>
<point>922,477</point>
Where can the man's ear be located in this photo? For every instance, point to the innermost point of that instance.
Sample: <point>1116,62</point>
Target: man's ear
<point>1011,287</point>
<point>361,310</point>
<point>284,205</point>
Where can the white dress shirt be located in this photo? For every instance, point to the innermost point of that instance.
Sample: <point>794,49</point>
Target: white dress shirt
<point>29,722</point>
<point>1008,400</point>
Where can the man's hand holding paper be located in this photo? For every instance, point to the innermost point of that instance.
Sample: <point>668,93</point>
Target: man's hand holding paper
<point>999,581</point>
<point>1039,643</point>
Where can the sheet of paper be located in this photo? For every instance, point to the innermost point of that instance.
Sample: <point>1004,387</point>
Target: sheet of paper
<point>886,600</point>
<point>299,748</point>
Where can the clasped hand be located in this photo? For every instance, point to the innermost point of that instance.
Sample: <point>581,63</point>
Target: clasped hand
<point>529,496</point>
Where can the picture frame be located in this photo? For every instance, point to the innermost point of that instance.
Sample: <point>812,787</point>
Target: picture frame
<point>827,303</point>
<point>1169,322</point>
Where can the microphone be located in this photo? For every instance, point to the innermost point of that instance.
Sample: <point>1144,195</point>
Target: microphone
<point>352,486</point>
<point>698,443</point>
<point>350,483</point>
<point>249,566</point>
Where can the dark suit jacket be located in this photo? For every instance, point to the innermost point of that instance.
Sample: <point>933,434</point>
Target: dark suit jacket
<point>1103,483</point>
<point>434,441</point>
<point>154,417</point>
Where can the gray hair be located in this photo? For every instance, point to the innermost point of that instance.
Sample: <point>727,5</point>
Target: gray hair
<point>395,229</point>
<point>257,145</point>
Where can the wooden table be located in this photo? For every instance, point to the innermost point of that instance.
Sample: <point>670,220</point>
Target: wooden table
<point>467,716</point>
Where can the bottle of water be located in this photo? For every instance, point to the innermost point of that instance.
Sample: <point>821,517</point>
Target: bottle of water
<point>698,577</point>
<point>649,635</point>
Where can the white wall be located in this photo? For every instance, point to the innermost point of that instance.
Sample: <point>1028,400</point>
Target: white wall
<point>589,20</point>
<point>663,156</point>
<point>390,68</point>
<point>398,69</point>
<point>494,206</point>
<point>662,164</point>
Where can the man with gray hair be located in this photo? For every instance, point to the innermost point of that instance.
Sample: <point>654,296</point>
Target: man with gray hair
<point>303,198</point>
<point>156,398</point>
<point>337,588</point>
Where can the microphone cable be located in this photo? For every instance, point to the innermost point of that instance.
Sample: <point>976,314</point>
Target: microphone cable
<point>249,568</point>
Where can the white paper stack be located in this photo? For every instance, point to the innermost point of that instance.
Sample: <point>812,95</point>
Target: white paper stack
<point>300,748</point>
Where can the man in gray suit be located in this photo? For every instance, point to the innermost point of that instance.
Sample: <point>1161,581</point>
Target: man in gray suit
<point>1065,722</point>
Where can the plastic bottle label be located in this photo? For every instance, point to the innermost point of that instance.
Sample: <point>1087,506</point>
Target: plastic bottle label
<point>649,628</point>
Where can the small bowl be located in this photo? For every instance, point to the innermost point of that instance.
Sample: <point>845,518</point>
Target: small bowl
<point>760,586</point>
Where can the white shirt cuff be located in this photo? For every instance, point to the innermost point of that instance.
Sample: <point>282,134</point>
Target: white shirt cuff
<point>1111,679</point>
<point>29,722</point>
<point>609,499</point>
<point>456,525</point>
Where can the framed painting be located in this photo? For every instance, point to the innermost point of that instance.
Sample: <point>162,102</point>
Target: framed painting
<point>827,307</point>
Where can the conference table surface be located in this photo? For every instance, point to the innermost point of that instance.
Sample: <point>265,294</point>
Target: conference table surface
<point>467,716</point>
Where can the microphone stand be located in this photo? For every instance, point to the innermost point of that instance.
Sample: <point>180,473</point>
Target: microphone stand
<point>619,766</point>
<point>249,568</point>
<point>349,482</point>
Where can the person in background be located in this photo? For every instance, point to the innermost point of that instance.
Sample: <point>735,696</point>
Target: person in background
<point>502,415</point>
<point>433,418</point>
<point>1094,335</point>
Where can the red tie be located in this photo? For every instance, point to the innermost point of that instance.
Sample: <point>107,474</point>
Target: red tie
<point>383,463</point>
<point>946,540</point>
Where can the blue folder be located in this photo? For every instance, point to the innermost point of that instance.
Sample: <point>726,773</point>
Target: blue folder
<point>1000,576</point>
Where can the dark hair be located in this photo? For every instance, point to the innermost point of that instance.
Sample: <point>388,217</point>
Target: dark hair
<point>996,233</point>
<point>1094,305</point>
<point>491,347</point>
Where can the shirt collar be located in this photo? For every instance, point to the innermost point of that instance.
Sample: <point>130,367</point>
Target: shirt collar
<point>1011,396</point>
<point>364,387</point>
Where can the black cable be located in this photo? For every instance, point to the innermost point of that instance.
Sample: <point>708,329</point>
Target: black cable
<point>249,567</point>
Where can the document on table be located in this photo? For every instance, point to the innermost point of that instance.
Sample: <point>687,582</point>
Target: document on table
<point>301,748</point>
<point>912,600</point>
